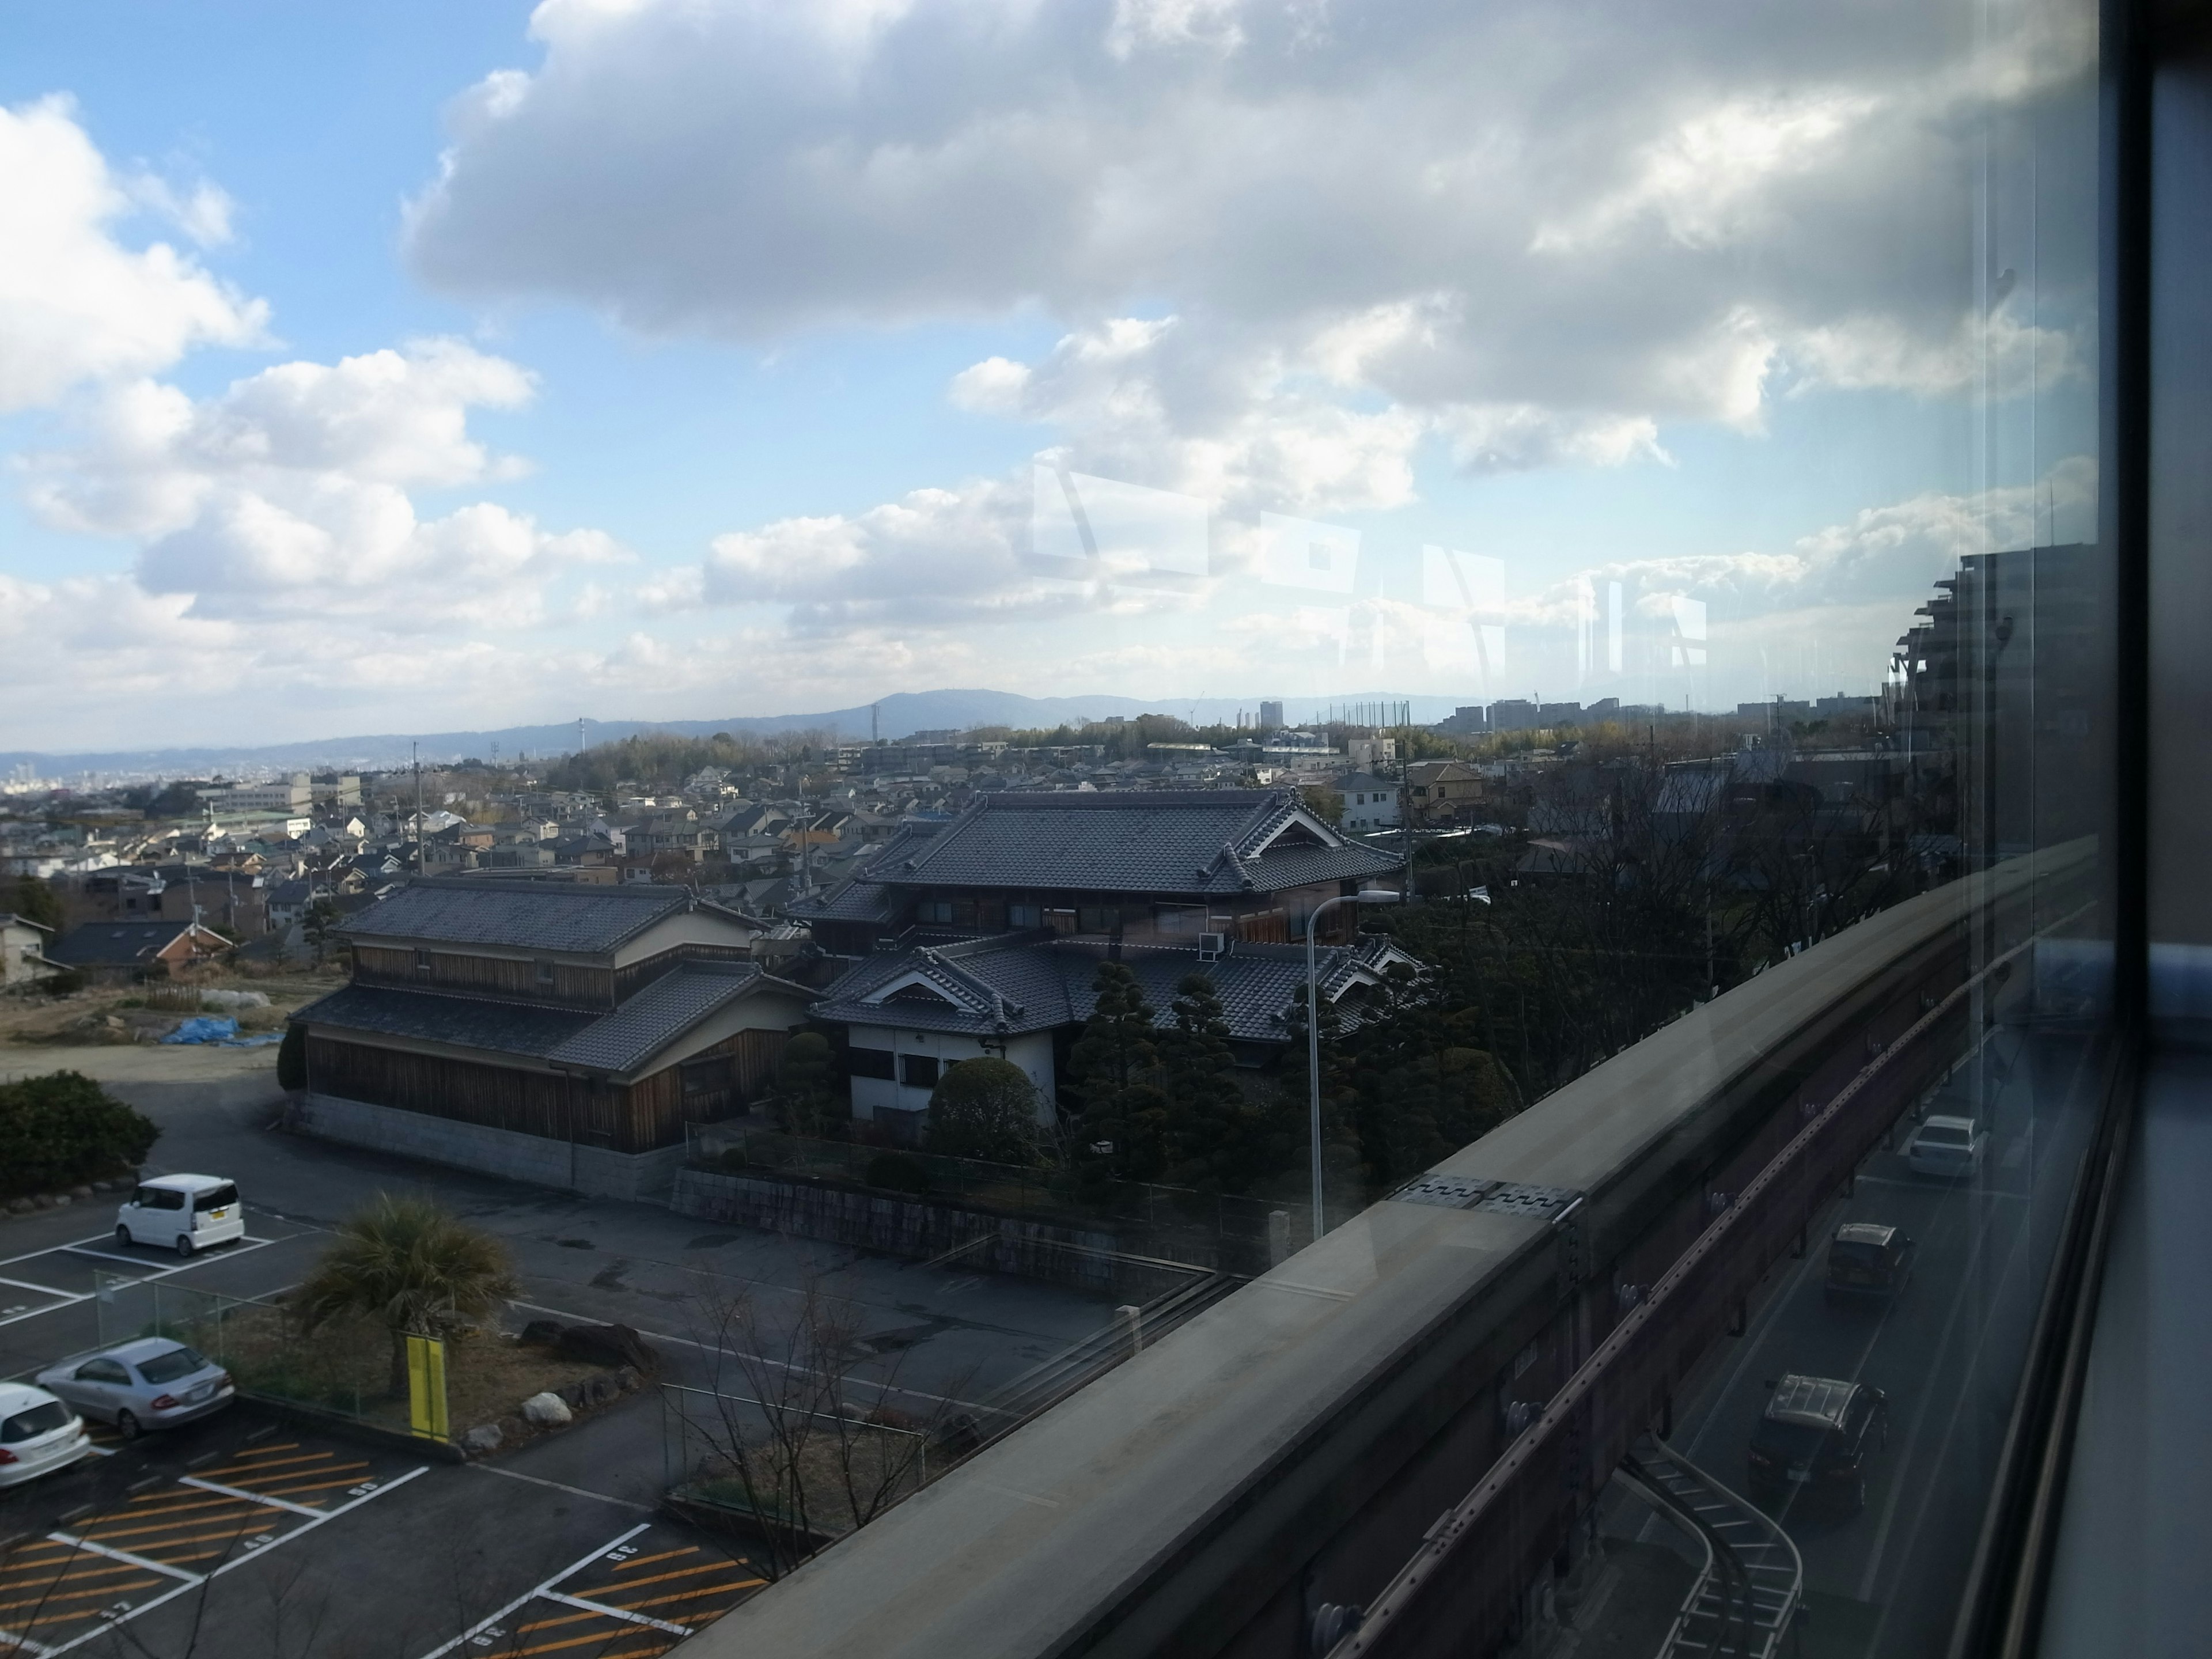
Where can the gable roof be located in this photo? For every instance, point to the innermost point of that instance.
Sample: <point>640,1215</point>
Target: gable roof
<point>1164,840</point>
<point>1020,982</point>
<point>10,918</point>
<point>103,943</point>
<point>584,917</point>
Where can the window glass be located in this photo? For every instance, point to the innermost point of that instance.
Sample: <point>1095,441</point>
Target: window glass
<point>918,1071</point>
<point>29,1425</point>
<point>215,1198</point>
<point>870,1062</point>
<point>168,1367</point>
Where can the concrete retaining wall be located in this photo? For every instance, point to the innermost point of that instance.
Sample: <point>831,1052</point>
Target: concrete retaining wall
<point>896,1227</point>
<point>589,1170</point>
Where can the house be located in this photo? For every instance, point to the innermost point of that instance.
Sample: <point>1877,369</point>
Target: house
<point>1149,866</point>
<point>24,949</point>
<point>136,950</point>
<point>553,1031</point>
<point>1440,793</point>
<point>1370,803</point>
<point>1023,998</point>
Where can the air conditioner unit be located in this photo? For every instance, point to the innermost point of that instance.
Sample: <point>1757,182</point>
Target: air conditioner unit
<point>1212,946</point>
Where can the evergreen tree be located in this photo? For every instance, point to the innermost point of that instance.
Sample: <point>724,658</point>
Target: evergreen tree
<point>984,1108</point>
<point>1116,1071</point>
<point>1212,1127</point>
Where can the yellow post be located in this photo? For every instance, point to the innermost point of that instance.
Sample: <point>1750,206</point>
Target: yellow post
<point>426,1386</point>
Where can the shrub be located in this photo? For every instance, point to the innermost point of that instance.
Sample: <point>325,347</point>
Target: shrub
<point>411,1267</point>
<point>985,1108</point>
<point>59,1130</point>
<point>65,984</point>
<point>734,1160</point>
<point>897,1173</point>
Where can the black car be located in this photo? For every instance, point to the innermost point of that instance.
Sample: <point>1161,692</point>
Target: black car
<point>1868,1262</point>
<point>1813,1444</point>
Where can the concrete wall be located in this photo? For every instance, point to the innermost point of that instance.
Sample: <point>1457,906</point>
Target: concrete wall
<point>589,1170</point>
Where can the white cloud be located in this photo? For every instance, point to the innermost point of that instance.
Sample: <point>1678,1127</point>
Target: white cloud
<point>77,304</point>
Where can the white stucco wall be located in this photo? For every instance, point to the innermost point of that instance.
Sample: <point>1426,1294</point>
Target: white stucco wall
<point>1032,1053</point>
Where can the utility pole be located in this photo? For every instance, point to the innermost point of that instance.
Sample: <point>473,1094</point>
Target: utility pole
<point>414,759</point>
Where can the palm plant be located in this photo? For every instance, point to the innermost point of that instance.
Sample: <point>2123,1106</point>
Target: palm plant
<point>413,1267</point>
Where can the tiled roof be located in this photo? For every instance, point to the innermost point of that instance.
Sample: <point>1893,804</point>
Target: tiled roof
<point>506,1028</point>
<point>567,917</point>
<point>656,1015</point>
<point>1164,840</point>
<point>619,1043</point>
<point>97,944</point>
<point>1016,983</point>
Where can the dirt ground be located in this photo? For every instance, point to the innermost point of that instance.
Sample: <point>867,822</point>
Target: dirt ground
<point>125,1016</point>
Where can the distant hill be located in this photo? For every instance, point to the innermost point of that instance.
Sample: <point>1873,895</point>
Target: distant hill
<point>898,715</point>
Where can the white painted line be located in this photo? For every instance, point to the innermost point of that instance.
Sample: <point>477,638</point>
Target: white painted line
<point>555,1486</point>
<point>535,1590</point>
<point>612,1612</point>
<point>24,1644</point>
<point>52,1307</point>
<point>250,1497</point>
<point>26,1285</point>
<point>145,1561</point>
<point>321,1515</point>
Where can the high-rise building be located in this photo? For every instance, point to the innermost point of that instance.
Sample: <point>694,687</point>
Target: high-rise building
<point>1271,716</point>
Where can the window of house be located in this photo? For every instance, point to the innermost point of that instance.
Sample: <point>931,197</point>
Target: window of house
<point>421,962</point>
<point>935,912</point>
<point>544,973</point>
<point>1096,919</point>
<point>1024,915</point>
<point>919,1071</point>
<point>872,1062</point>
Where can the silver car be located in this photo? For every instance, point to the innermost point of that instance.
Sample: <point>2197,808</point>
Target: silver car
<point>1946,1146</point>
<point>150,1383</point>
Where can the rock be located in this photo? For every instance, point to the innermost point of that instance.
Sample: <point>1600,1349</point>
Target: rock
<point>44,1201</point>
<point>542,1333</point>
<point>484,1437</point>
<point>62,1200</point>
<point>80,1192</point>
<point>608,1345</point>
<point>547,1410</point>
<point>626,1378</point>
<point>21,1206</point>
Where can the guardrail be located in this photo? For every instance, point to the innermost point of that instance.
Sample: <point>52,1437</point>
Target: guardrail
<point>1462,1363</point>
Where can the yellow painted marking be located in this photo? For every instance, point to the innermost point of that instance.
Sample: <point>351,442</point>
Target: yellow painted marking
<point>605,1592</point>
<point>108,1534</point>
<point>256,1468</point>
<point>47,1599</point>
<point>685,1595</point>
<point>664,1555</point>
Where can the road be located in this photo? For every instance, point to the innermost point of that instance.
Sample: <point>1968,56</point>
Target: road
<point>1947,1352</point>
<point>524,1553</point>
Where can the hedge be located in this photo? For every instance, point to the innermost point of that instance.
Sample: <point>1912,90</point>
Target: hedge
<point>59,1130</point>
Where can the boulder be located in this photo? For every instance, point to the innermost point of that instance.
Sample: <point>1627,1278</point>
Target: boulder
<point>20,1206</point>
<point>542,1333</point>
<point>608,1345</point>
<point>80,1192</point>
<point>547,1410</point>
<point>484,1437</point>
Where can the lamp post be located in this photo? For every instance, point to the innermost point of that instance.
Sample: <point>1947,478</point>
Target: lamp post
<point>1364,896</point>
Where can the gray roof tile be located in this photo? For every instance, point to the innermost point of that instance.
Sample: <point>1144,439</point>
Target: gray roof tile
<point>656,1015</point>
<point>566,916</point>
<point>506,1028</point>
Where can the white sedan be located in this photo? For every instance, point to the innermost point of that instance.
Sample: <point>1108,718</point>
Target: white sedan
<point>38,1434</point>
<point>1946,1146</point>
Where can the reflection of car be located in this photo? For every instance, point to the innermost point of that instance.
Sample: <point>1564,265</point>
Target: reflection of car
<point>38,1434</point>
<point>1868,1261</point>
<point>150,1383</point>
<point>181,1212</point>
<point>1946,1146</point>
<point>1815,1439</point>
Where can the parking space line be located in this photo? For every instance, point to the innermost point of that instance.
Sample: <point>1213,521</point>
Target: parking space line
<point>43,1290</point>
<point>25,1643</point>
<point>255,1498</point>
<point>612,1612</point>
<point>269,1462</point>
<point>658,1577</point>
<point>491,1619</point>
<point>145,1561</point>
<point>573,1491</point>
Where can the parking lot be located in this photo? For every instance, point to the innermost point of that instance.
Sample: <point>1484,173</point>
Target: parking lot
<point>255,1532</point>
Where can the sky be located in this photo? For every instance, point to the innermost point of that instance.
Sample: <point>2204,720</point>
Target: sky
<point>402,367</point>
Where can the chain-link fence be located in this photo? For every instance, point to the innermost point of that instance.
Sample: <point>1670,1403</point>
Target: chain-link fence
<point>1216,1230</point>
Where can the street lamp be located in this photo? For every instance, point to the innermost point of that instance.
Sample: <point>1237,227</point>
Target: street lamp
<point>1364,896</point>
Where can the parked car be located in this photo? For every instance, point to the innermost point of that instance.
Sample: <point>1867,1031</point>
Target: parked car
<point>1946,1146</point>
<point>38,1434</point>
<point>1813,1444</point>
<point>150,1383</point>
<point>1869,1263</point>
<point>181,1212</point>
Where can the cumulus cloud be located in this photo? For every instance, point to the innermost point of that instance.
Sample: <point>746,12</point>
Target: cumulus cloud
<point>288,494</point>
<point>77,302</point>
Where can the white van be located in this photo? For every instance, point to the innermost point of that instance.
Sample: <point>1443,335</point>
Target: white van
<point>183,1213</point>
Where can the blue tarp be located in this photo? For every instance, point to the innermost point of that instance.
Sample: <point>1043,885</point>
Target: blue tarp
<point>222,1033</point>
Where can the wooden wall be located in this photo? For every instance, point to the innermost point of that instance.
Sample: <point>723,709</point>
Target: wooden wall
<point>624,1118</point>
<point>573,986</point>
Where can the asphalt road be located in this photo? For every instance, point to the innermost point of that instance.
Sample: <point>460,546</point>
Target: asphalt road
<point>482,1554</point>
<point>1947,1352</point>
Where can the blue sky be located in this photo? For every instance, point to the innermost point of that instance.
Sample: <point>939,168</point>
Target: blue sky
<point>754,320</point>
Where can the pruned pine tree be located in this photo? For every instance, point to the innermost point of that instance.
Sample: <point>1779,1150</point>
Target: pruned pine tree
<point>1213,1127</point>
<point>1115,1063</point>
